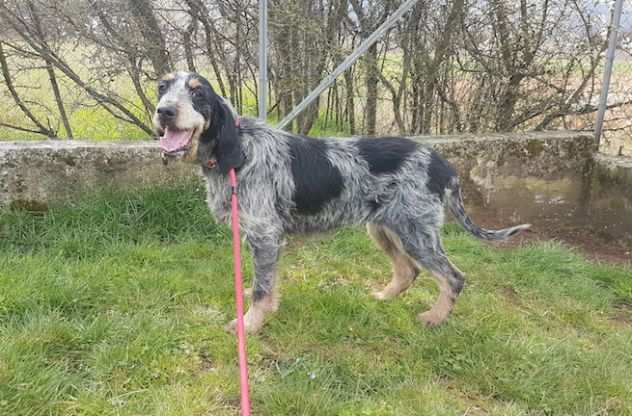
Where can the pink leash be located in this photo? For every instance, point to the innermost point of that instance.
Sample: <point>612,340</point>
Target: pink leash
<point>239,300</point>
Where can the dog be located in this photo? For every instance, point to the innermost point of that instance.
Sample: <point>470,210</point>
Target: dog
<point>295,184</point>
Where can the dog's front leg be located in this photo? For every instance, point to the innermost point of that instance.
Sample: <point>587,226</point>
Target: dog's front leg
<point>265,299</point>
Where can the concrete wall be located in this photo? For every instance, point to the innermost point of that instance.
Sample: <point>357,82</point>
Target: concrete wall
<point>34,174</point>
<point>614,169</point>
<point>483,161</point>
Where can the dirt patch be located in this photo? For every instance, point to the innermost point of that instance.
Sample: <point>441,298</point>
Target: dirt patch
<point>622,314</point>
<point>590,242</point>
<point>511,295</point>
<point>206,364</point>
<point>593,245</point>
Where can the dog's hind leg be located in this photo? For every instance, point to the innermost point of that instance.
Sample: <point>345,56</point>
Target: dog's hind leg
<point>264,294</point>
<point>404,269</point>
<point>424,246</point>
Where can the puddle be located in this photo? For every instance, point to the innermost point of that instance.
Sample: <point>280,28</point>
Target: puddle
<point>582,211</point>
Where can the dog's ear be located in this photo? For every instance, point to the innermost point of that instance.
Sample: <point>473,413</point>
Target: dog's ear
<point>222,140</point>
<point>228,149</point>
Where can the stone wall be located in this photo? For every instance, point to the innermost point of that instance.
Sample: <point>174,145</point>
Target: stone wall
<point>614,169</point>
<point>34,174</point>
<point>486,160</point>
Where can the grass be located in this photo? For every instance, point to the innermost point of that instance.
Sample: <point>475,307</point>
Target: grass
<point>115,304</point>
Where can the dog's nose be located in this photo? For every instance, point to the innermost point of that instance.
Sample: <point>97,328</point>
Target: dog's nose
<point>166,112</point>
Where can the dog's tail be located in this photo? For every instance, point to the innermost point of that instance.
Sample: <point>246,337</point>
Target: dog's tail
<point>455,203</point>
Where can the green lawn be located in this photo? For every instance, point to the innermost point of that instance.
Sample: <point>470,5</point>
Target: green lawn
<point>115,305</point>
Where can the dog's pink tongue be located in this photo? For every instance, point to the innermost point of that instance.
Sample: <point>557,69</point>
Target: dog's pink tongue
<point>174,140</point>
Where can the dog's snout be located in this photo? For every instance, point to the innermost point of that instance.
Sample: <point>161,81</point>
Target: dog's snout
<point>166,112</point>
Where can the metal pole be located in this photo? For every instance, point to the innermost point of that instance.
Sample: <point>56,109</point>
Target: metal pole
<point>263,59</point>
<point>607,70</point>
<point>366,44</point>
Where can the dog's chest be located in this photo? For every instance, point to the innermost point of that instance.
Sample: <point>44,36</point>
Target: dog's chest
<point>218,196</point>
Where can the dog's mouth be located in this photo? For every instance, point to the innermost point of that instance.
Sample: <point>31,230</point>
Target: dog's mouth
<point>174,141</point>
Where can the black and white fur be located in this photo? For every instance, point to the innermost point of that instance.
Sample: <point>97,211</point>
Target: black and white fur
<point>294,184</point>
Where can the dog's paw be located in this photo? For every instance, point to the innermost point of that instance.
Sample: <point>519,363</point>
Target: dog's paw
<point>253,322</point>
<point>431,319</point>
<point>231,326</point>
<point>381,295</point>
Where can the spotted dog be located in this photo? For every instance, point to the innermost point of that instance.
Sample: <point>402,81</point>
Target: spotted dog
<point>294,184</point>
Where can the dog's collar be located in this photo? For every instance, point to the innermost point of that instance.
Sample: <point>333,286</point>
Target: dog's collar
<point>211,163</point>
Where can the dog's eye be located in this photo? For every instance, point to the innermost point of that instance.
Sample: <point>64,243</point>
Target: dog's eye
<point>162,87</point>
<point>196,92</point>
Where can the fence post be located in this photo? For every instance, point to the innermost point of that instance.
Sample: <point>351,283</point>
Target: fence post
<point>263,59</point>
<point>607,70</point>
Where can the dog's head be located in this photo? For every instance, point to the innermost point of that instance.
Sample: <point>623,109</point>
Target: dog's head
<point>194,121</point>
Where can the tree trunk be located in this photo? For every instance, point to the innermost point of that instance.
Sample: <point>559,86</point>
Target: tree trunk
<point>4,67</point>
<point>58,99</point>
<point>154,42</point>
<point>349,101</point>
<point>372,80</point>
<point>134,72</point>
<point>507,104</point>
<point>198,11</point>
<point>51,74</point>
<point>187,39</point>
